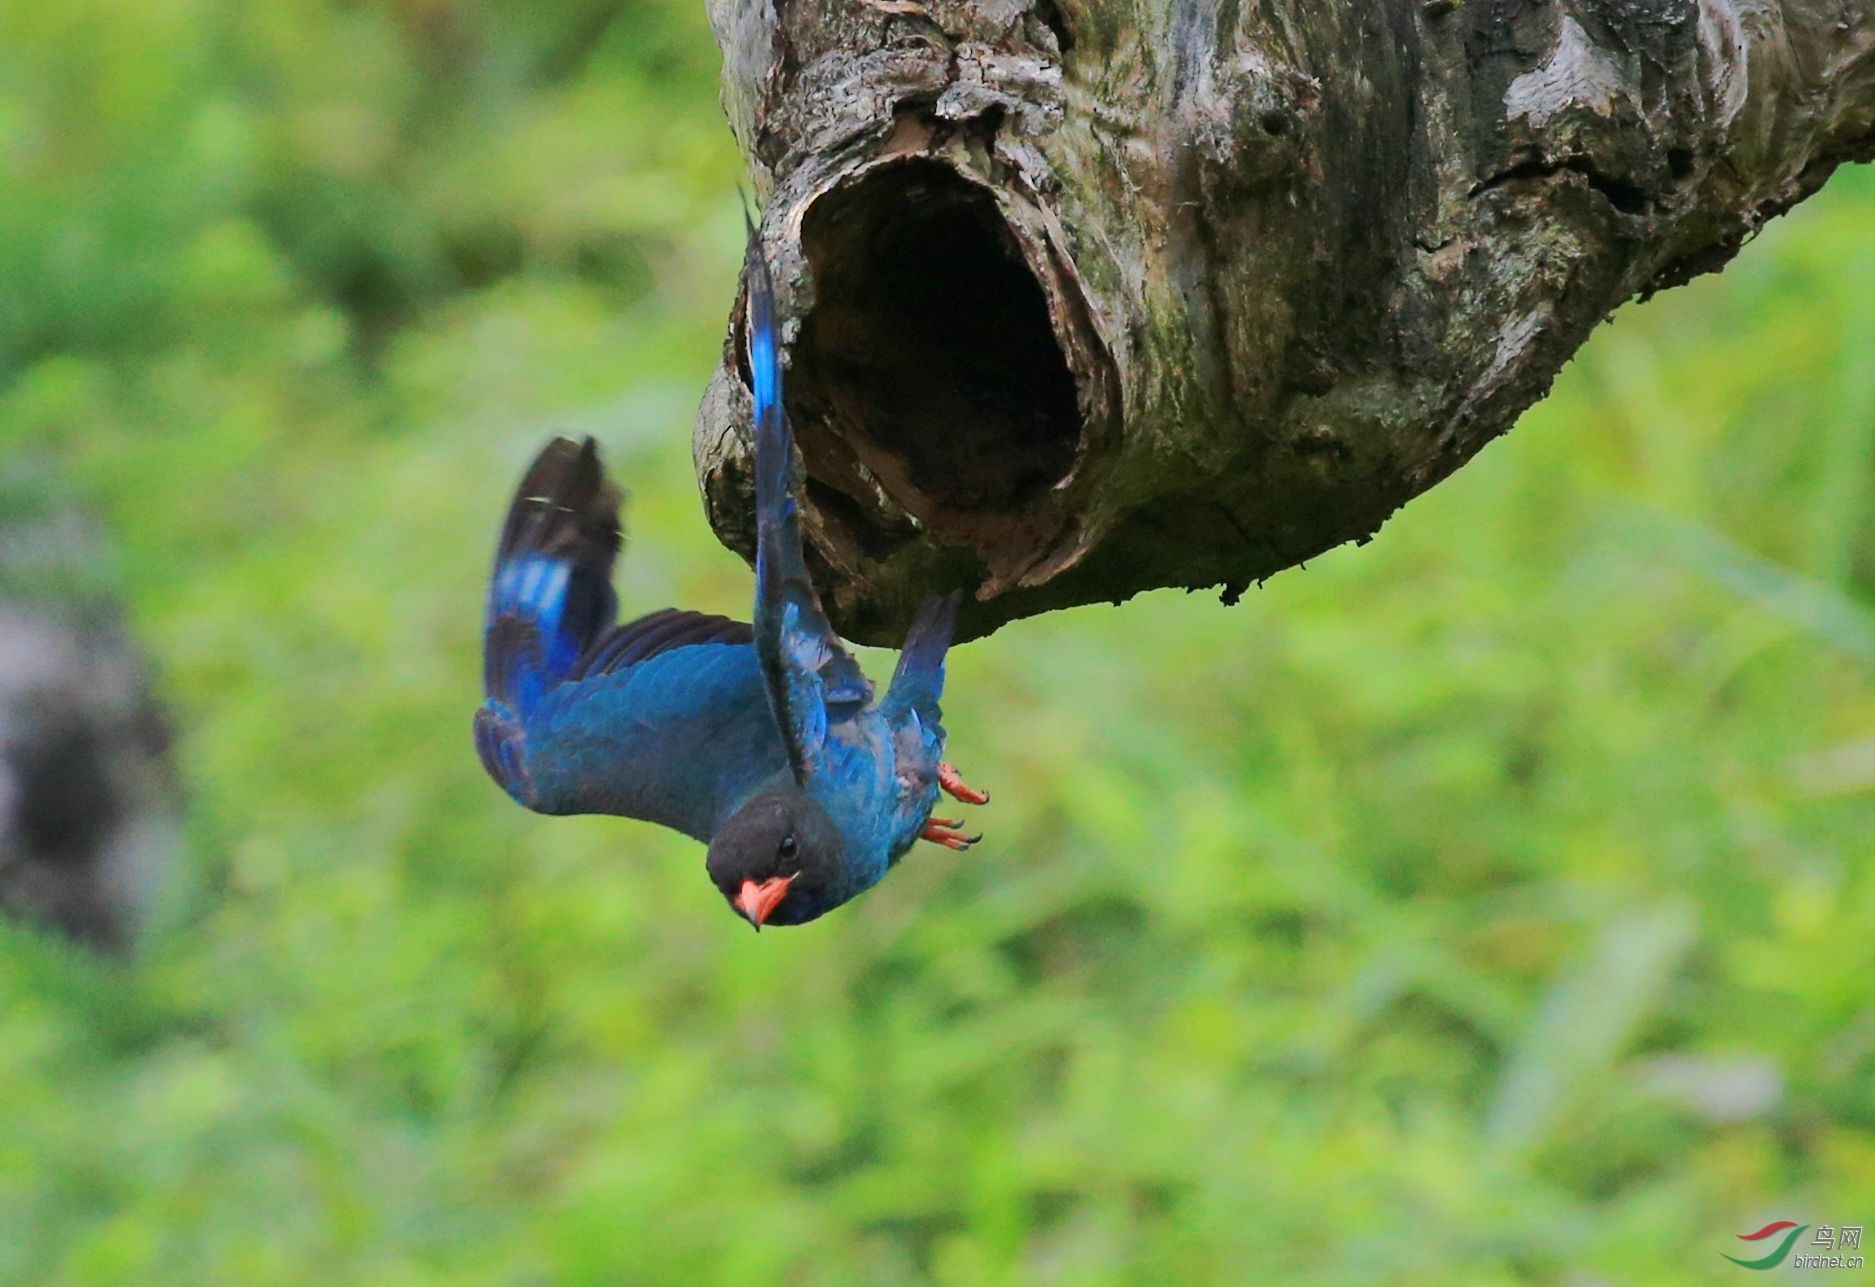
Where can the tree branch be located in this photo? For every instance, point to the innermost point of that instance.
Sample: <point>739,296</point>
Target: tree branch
<point>1086,297</point>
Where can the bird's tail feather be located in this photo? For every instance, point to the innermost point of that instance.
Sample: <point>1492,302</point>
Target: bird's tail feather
<point>774,445</point>
<point>551,593</point>
<point>792,633</point>
<point>918,682</point>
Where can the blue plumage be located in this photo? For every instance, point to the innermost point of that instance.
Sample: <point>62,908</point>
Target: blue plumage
<point>657,719</point>
<point>762,740</point>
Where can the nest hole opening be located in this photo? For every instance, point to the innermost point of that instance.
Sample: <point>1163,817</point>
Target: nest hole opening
<point>930,341</point>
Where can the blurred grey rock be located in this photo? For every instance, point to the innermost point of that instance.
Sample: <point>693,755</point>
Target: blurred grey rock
<point>88,817</point>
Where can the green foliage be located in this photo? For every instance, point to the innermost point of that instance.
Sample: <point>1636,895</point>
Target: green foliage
<point>1490,904</point>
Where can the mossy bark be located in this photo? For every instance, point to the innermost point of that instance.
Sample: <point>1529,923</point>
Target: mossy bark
<point>1086,297</point>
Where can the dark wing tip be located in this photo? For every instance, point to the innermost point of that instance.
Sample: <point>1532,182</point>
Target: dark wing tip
<point>565,504</point>
<point>939,609</point>
<point>919,679</point>
<point>933,624</point>
<point>566,513</point>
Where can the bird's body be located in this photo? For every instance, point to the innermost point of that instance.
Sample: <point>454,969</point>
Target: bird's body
<point>762,740</point>
<point>680,739</point>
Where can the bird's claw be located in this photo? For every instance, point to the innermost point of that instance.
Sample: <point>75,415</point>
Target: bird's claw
<point>943,832</point>
<point>953,783</point>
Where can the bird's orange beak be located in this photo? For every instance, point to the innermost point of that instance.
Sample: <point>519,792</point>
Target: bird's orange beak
<point>758,902</point>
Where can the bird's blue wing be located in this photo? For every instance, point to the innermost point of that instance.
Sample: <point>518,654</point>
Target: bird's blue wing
<point>551,594</point>
<point>680,738</point>
<point>918,682</point>
<point>812,679</point>
<point>664,718</point>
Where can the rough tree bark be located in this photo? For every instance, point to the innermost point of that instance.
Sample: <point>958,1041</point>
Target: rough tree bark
<point>1086,297</point>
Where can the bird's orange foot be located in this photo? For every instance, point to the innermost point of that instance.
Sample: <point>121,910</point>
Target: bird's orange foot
<point>943,831</point>
<point>952,781</point>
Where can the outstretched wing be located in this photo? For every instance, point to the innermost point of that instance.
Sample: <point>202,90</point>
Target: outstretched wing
<point>551,592</point>
<point>918,682</point>
<point>663,718</point>
<point>812,680</point>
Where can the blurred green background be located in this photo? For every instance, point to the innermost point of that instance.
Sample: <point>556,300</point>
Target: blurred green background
<point>1490,904</point>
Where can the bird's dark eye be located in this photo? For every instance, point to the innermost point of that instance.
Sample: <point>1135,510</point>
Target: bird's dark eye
<point>788,846</point>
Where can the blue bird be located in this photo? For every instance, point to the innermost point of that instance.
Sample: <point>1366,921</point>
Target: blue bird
<point>763,741</point>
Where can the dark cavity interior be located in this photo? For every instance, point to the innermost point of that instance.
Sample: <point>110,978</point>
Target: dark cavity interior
<point>930,340</point>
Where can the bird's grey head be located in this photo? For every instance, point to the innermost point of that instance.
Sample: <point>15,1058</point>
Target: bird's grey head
<point>778,859</point>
